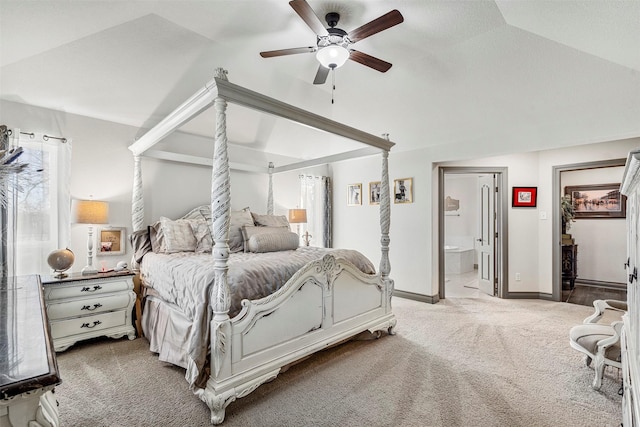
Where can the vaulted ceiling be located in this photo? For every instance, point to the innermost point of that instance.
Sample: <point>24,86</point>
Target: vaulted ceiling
<point>503,75</point>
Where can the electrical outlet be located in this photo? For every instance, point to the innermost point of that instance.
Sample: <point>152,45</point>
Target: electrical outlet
<point>518,277</point>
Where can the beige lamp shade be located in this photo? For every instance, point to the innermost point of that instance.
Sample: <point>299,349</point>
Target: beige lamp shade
<point>90,212</point>
<point>297,216</point>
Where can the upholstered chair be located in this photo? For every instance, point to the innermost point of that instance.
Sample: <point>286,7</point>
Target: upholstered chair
<point>600,342</point>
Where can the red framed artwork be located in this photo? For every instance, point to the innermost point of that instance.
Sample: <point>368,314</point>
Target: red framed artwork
<point>524,197</point>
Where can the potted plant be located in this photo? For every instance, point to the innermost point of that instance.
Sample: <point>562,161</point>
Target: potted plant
<point>568,216</point>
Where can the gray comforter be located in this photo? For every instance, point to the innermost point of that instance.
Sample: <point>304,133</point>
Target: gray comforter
<point>185,280</point>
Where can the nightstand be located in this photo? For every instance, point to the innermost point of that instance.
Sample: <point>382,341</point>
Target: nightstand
<point>81,307</point>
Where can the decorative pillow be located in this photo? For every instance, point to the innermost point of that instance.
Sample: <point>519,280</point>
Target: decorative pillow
<point>141,243</point>
<point>270,220</point>
<point>238,220</point>
<point>273,242</point>
<point>202,234</point>
<point>250,230</point>
<point>196,213</point>
<point>168,236</point>
<point>156,237</point>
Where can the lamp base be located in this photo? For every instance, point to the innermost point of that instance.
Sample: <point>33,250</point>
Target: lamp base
<point>306,237</point>
<point>88,270</point>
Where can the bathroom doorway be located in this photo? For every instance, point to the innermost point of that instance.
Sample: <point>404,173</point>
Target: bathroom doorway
<point>472,231</point>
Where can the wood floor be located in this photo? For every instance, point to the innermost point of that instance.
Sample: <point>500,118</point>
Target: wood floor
<point>466,286</point>
<point>585,295</point>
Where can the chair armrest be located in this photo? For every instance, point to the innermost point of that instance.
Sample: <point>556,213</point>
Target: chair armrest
<point>604,343</point>
<point>601,305</point>
<point>617,305</point>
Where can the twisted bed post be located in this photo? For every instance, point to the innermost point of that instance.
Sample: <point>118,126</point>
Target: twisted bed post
<point>221,214</point>
<point>270,195</point>
<point>220,298</point>
<point>137,203</point>
<point>385,222</point>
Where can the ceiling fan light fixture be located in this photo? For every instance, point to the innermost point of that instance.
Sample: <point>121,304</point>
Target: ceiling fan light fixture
<point>332,56</point>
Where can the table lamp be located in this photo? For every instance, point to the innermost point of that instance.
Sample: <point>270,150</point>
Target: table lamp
<point>90,212</point>
<point>299,216</point>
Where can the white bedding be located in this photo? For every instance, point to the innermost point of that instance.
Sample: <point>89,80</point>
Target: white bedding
<point>185,280</point>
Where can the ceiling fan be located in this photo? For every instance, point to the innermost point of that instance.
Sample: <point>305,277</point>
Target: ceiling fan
<point>333,44</point>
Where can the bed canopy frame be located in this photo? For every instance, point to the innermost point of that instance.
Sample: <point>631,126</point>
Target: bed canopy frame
<point>225,385</point>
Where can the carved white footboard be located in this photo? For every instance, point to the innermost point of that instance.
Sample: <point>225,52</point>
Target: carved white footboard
<point>326,302</point>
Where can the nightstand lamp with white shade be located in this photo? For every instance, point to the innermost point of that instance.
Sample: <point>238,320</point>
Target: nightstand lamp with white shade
<point>90,212</point>
<point>299,216</point>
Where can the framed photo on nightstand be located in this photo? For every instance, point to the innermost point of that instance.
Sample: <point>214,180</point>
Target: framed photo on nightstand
<point>111,241</point>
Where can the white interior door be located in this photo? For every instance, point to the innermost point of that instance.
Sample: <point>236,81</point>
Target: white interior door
<point>487,239</point>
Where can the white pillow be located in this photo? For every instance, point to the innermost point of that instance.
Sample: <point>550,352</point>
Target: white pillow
<point>273,242</point>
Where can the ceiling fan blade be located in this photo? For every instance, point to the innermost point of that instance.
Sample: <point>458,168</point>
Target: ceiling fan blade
<point>321,75</point>
<point>382,23</point>
<point>310,18</point>
<point>292,51</point>
<point>370,61</point>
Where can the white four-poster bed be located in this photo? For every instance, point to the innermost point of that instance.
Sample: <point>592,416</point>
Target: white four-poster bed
<point>324,303</point>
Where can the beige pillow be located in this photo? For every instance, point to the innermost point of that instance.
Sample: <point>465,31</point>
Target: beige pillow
<point>250,230</point>
<point>168,236</point>
<point>202,234</point>
<point>238,219</point>
<point>273,242</point>
<point>270,220</point>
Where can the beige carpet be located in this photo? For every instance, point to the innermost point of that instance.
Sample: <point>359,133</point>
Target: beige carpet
<point>461,362</point>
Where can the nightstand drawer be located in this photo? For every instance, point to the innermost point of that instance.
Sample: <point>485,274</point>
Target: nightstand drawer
<point>86,288</point>
<point>81,325</point>
<point>88,306</point>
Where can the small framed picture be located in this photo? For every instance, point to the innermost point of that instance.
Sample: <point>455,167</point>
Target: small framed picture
<point>403,190</point>
<point>374,193</point>
<point>111,241</point>
<point>524,197</point>
<point>354,194</point>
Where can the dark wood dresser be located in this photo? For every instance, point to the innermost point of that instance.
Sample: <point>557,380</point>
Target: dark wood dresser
<point>569,265</point>
<point>28,366</point>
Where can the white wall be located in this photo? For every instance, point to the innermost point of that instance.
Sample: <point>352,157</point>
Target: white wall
<point>357,227</point>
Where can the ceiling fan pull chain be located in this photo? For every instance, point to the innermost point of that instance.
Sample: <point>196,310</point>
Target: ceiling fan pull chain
<point>333,82</point>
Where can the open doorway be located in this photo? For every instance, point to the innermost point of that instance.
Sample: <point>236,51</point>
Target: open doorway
<point>587,258</point>
<point>472,236</point>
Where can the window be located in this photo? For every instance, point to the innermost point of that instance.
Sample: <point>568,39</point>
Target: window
<point>39,206</point>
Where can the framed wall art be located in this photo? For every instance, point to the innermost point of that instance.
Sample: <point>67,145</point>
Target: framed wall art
<point>374,193</point>
<point>111,241</point>
<point>354,194</point>
<point>597,201</point>
<point>403,190</point>
<point>524,197</point>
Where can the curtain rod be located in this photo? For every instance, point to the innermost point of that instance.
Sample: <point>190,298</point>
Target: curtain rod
<point>45,136</point>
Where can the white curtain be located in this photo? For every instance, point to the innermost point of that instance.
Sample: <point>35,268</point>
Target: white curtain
<point>39,209</point>
<point>315,197</point>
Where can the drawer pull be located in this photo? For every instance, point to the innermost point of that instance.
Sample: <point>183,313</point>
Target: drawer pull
<point>87,289</point>
<point>95,323</point>
<point>95,306</point>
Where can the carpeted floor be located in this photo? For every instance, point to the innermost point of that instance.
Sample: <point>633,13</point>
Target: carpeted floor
<point>461,362</point>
